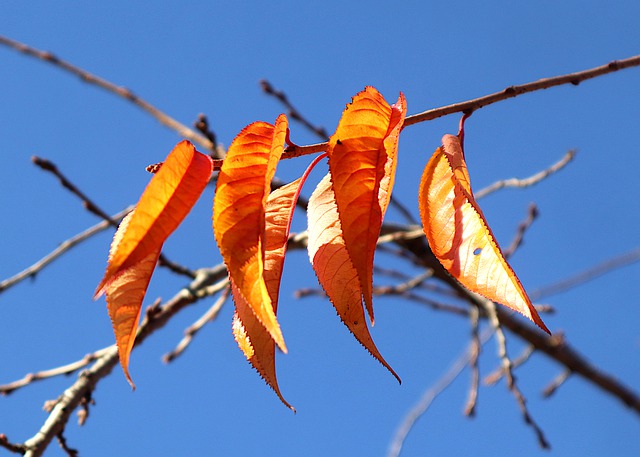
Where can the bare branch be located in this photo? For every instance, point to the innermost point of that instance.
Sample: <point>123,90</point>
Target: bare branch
<point>91,206</point>
<point>65,246</point>
<point>475,347</point>
<point>202,125</point>
<point>495,376</point>
<point>293,113</point>
<point>514,91</point>
<point>212,280</point>
<point>429,396</point>
<point>531,180</point>
<point>15,448</point>
<point>123,92</point>
<point>556,383</point>
<point>589,274</point>
<point>522,228</point>
<point>63,444</point>
<point>67,369</point>
<point>194,328</point>
<point>507,364</point>
<point>477,103</point>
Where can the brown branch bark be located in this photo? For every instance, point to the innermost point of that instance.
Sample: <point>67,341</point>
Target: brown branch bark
<point>65,246</point>
<point>480,102</point>
<point>123,92</point>
<point>155,319</point>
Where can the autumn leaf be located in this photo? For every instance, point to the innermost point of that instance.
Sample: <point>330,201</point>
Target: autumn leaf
<point>362,162</point>
<point>252,337</point>
<point>125,292</point>
<point>239,211</point>
<point>459,235</point>
<point>334,268</point>
<point>166,201</point>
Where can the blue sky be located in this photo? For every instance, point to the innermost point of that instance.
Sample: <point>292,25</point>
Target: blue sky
<point>192,57</point>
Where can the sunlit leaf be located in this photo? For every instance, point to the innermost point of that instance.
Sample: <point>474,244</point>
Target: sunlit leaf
<point>459,235</point>
<point>166,201</point>
<point>239,210</point>
<point>125,292</point>
<point>252,337</point>
<point>362,162</point>
<point>334,268</point>
<point>136,246</point>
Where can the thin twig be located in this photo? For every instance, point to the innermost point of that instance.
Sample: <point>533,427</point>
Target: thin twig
<point>513,91</point>
<point>475,348</point>
<point>63,444</point>
<point>123,92</point>
<point>293,113</point>
<point>88,204</point>
<point>531,180</point>
<point>88,379</point>
<point>495,376</point>
<point>406,286</point>
<point>507,364</point>
<point>297,151</point>
<point>92,207</point>
<point>65,246</point>
<point>194,328</point>
<point>421,407</point>
<point>202,125</point>
<point>433,304</point>
<point>67,369</point>
<point>532,214</point>
<point>477,103</point>
<point>556,383</point>
<point>587,275</point>
<point>11,447</point>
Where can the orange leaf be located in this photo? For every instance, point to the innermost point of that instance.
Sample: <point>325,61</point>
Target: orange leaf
<point>333,266</point>
<point>125,292</point>
<point>239,206</point>
<point>362,162</point>
<point>165,202</point>
<point>136,246</point>
<point>252,337</point>
<point>459,235</point>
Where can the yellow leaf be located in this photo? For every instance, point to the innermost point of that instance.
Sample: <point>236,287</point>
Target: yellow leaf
<point>459,235</point>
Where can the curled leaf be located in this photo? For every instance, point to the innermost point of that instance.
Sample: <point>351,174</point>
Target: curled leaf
<point>252,337</point>
<point>136,246</point>
<point>459,235</point>
<point>239,210</point>
<point>362,162</point>
<point>334,268</point>
<point>165,202</point>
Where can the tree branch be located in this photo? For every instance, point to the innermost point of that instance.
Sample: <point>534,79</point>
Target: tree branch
<point>477,103</point>
<point>120,91</point>
<point>209,280</point>
<point>513,91</point>
<point>34,269</point>
<point>531,180</point>
<point>430,395</point>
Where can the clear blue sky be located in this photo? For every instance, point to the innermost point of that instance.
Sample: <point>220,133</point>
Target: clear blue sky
<point>189,57</point>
